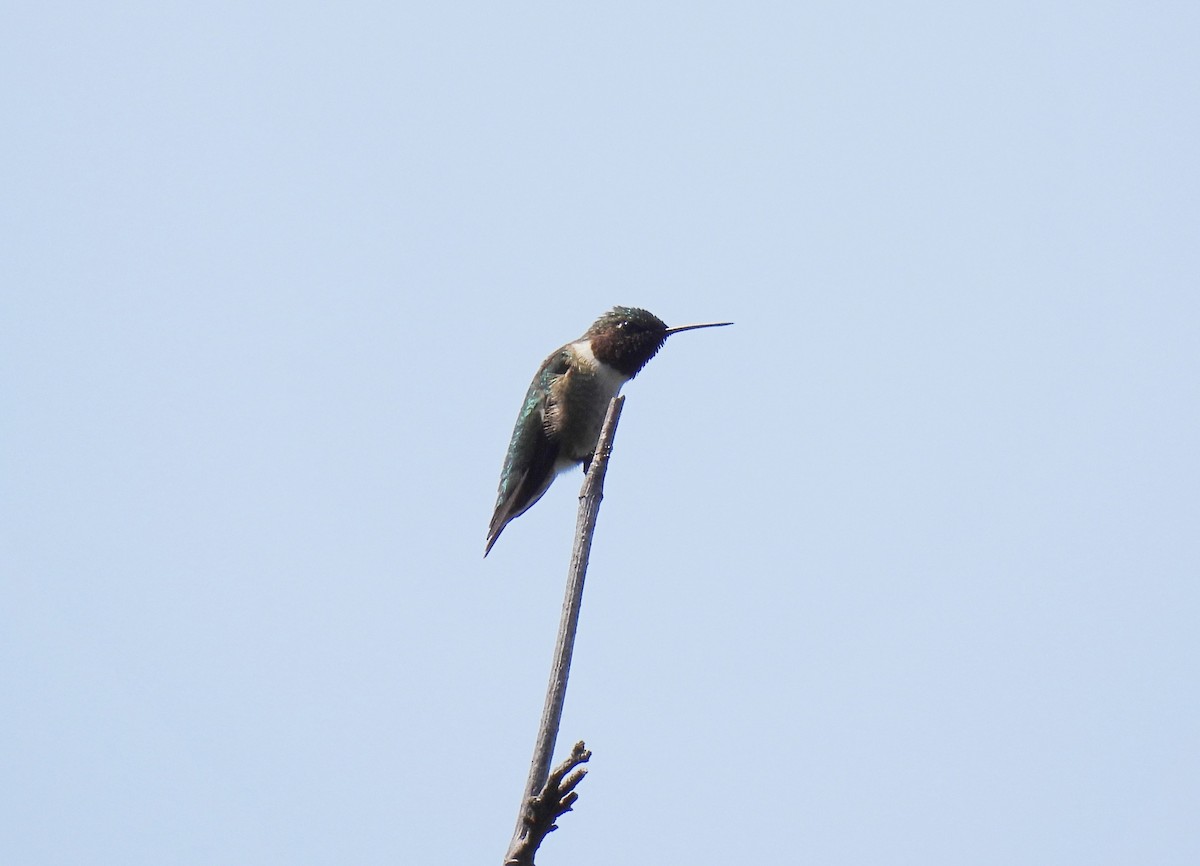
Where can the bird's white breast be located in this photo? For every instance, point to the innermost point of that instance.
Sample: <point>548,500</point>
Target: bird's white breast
<point>608,380</point>
<point>581,401</point>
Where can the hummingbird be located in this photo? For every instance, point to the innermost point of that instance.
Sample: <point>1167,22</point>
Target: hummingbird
<point>565,405</point>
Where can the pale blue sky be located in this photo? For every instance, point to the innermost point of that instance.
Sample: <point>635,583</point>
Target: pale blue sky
<point>901,569</point>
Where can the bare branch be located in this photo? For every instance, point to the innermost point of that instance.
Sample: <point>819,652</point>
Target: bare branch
<point>554,801</point>
<point>538,783</point>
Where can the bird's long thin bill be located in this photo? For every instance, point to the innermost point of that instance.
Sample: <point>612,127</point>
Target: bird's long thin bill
<point>694,327</point>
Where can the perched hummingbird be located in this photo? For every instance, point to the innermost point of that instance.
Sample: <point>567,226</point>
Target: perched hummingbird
<point>565,406</point>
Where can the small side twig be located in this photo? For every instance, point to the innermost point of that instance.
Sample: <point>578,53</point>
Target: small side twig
<point>544,809</point>
<point>556,691</point>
